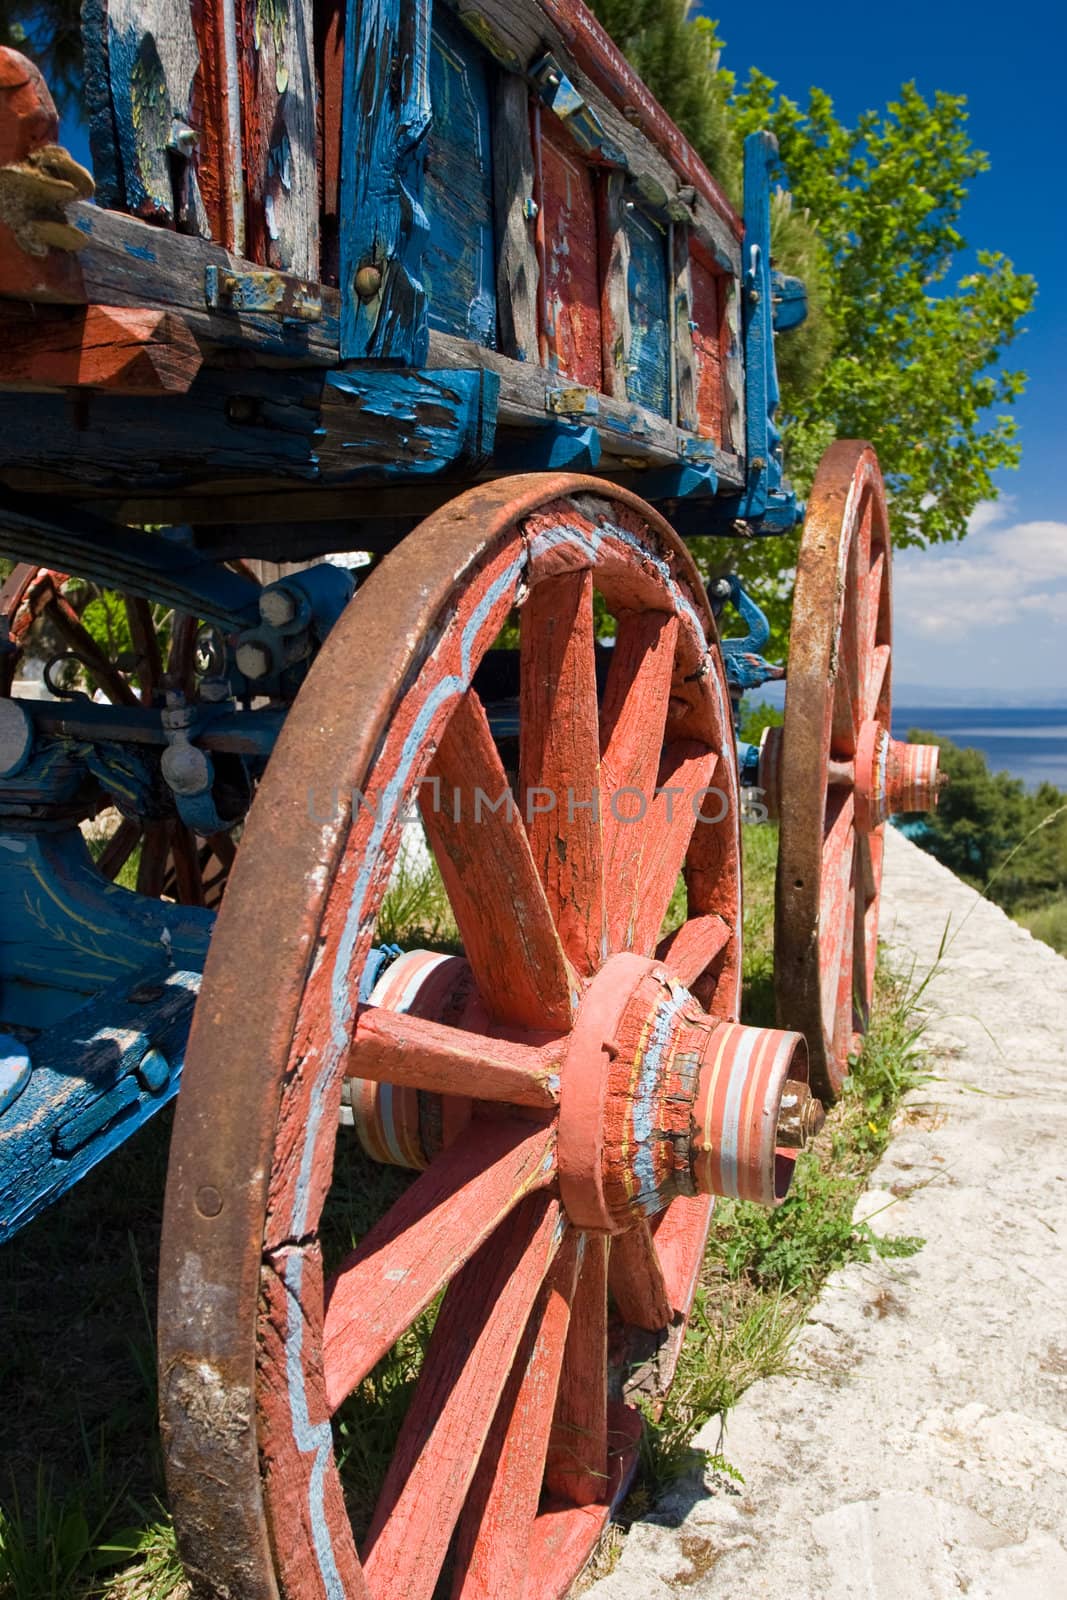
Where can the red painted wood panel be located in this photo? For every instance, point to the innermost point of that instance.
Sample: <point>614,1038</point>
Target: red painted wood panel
<point>570,296</point>
<point>708,348</point>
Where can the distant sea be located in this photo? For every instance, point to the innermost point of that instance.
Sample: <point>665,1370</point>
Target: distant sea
<point>1028,742</point>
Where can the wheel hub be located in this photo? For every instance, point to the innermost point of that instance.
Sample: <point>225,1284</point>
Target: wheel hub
<point>659,1099</point>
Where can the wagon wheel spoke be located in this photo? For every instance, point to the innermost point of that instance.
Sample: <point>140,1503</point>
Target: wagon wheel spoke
<point>399,1048</point>
<point>119,848</point>
<point>876,683</point>
<point>577,1467</point>
<point>835,937</point>
<point>685,772</point>
<point>690,950</point>
<point>635,1277</point>
<point>497,896</point>
<point>148,663</point>
<point>471,1354</point>
<point>632,722</point>
<point>559,759</point>
<point>420,1244</point>
<point>494,1532</point>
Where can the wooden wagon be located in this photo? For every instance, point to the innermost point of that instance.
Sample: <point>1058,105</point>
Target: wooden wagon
<point>445,287</point>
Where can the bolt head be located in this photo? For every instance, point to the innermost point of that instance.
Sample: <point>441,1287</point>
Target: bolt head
<point>368,282</point>
<point>253,659</point>
<point>277,607</point>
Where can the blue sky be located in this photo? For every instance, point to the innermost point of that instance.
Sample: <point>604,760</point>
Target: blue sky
<point>992,611</point>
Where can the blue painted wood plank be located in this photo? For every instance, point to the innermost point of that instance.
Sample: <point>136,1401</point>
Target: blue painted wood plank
<point>648,379</point>
<point>96,1078</point>
<point>383,224</point>
<point>458,265</point>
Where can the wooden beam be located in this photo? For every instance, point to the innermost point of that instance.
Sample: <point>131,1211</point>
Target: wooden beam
<point>114,348</point>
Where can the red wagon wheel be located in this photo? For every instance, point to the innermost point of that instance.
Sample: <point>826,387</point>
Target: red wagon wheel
<point>833,771</point>
<point>572,1088</point>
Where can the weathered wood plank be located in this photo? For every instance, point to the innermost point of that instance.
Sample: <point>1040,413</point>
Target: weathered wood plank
<point>683,318</point>
<point>153,60</point>
<point>570,296</point>
<point>126,262</point>
<point>517,271</point>
<point>248,426</point>
<point>648,355</point>
<point>655,152</point>
<point>458,266</point>
<point>115,348</point>
<point>625,430</point>
<point>707,290</point>
<point>219,152</point>
<point>383,225</point>
<point>277,77</point>
<point>614,295</point>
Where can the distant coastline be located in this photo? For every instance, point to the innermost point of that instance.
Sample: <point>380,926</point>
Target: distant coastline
<point>1029,742</point>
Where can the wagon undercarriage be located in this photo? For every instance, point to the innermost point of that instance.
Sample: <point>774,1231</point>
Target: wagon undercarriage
<point>448,291</point>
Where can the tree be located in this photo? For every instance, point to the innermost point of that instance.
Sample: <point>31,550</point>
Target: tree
<point>868,216</point>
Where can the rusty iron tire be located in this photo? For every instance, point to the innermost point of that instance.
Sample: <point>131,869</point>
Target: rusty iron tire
<point>829,864</point>
<point>248,1336</point>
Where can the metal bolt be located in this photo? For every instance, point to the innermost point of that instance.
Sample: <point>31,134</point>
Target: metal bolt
<point>183,139</point>
<point>277,607</point>
<point>208,1201</point>
<point>800,1115</point>
<point>368,282</point>
<point>154,1071</point>
<point>253,659</point>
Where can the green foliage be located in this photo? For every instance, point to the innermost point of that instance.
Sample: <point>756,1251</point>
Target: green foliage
<point>49,32</point>
<point>992,833</point>
<point>755,716</point>
<point>1047,922</point>
<point>677,56</point>
<point>910,369</point>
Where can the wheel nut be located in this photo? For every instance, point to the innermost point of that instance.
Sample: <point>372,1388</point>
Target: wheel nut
<point>253,659</point>
<point>277,607</point>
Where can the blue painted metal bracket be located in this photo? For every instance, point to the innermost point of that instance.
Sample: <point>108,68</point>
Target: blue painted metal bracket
<point>746,667</point>
<point>384,228</point>
<point>790,299</point>
<point>558,93</point>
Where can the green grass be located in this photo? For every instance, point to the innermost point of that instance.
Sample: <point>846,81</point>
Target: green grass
<point>81,1482</point>
<point>1047,922</point>
<point>763,1269</point>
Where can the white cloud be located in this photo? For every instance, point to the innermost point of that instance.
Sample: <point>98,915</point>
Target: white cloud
<point>1003,573</point>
